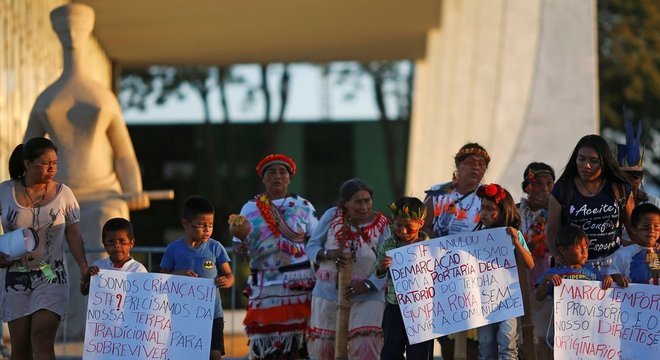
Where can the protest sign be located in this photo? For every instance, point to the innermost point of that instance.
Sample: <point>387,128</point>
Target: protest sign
<point>618,323</point>
<point>456,282</point>
<point>148,316</point>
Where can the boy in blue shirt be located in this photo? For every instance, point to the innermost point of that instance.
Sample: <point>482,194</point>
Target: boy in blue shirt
<point>198,255</point>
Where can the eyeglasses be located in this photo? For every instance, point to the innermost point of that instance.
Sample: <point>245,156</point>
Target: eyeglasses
<point>111,242</point>
<point>202,226</point>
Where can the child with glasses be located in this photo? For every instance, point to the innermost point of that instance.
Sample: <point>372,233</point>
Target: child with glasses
<point>118,240</point>
<point>198,255</point>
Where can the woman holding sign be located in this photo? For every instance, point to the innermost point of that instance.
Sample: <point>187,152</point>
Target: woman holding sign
<point>593,194</point>
<point>453,207</point>
<point>36,284</point>
<point>272,230</point>
<point>349,233</point>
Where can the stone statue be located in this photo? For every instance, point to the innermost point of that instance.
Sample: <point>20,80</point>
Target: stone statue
<point>97,160</point>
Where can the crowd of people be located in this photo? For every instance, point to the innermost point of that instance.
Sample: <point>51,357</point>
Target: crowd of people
<point>569,227</point>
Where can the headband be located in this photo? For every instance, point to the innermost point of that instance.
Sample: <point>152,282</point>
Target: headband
<point>530,175</point>
<point>273,159</point>
<point>493,192</point>
<point>407,215</point>
<point>471,151</point>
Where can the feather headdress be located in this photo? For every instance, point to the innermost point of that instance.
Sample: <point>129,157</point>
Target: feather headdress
<point>631,154</point>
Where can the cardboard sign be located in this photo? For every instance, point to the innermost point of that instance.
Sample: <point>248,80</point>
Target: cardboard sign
<point>456,282</point>
<point>618,323</point>
<point>148,316</point>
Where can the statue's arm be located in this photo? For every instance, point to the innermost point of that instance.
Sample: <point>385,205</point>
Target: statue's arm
<point>35,127</point>
<point>126,164</point>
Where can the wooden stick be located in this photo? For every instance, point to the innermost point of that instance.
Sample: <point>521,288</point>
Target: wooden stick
<point>460,345</point>
<point>154,194</point>
<point>529,350</point>
<point>343,306</point>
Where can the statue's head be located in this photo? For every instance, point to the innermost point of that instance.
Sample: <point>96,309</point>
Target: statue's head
<point>73,24</point>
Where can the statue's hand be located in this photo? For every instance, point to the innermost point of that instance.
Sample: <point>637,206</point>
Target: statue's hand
<point>137,201</point>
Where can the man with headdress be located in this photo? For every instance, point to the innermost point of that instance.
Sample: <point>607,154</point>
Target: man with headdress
<point>630,157</point>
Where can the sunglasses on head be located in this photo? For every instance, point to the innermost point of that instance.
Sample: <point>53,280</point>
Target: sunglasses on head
<point>635,174</point>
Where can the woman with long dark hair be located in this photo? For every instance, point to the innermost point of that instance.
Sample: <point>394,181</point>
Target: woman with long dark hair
<point>594,194</point>
<point>36,285</point>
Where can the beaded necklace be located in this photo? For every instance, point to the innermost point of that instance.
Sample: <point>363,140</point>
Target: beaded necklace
<point>263,204</point>
<point>35,204</point>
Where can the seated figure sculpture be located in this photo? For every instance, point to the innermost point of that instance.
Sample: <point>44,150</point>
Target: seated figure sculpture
<point>97,160</point>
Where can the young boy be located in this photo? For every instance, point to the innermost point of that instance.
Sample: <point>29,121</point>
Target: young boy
<point>639,263</point>
<point>573,247</point>
<point>198,255</point>
<point>118,240</point>
<point>408,217</point>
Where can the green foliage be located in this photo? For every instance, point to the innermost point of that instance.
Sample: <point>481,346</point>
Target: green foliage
<point>629,35</point>
<point>629,68</point>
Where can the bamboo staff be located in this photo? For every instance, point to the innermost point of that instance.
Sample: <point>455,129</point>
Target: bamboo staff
<point>343,304</point>
<point>529,351</point>
<point>460,345</point>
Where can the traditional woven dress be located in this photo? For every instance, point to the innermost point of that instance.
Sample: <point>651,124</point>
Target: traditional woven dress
<point>279,302</point>
<point>365,333</point>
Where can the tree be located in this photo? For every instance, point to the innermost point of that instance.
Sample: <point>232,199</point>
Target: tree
<point>629,70</point>
<point>166,82</point>
<point>388,82</point>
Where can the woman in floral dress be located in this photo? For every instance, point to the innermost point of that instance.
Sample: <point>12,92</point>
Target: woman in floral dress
<point>538,180</point>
